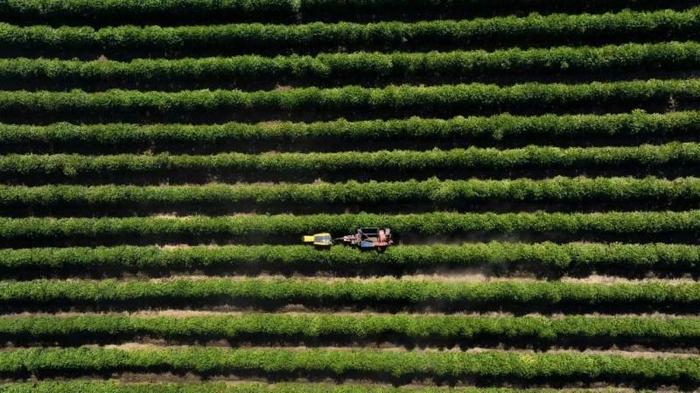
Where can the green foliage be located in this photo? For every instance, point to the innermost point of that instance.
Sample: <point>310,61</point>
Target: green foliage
<point>448,193</point>
<point>317,165</point>
<point>384,293</point>
<point>401,366</point>
<point>453,9</point>
<point>532,30</point>
<point>289,228</point>
<point>495,256</point>
<point>145,11</point>
<point>343,68</point>
<point>106,12</point>
<point>241,387</point>
<point>351,101</point>
<point>403,328</point>
<point>342,134</point>
<point>145,53</point>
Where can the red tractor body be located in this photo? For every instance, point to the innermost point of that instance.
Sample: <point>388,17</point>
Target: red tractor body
<point>369,239</point>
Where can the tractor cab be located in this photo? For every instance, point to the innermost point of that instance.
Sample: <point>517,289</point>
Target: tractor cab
<point>320,240</point>
<point>365,239</point>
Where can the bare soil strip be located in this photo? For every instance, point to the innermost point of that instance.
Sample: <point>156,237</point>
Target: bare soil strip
<point>233,379</point>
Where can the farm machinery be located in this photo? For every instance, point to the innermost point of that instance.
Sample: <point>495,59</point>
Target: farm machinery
<point>365,239</point>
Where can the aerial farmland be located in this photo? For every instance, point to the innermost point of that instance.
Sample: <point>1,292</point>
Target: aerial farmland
<point>349,196</point>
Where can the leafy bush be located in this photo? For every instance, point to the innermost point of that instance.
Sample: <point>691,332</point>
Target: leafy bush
<point>399,163</point>
<point>106,12</point>
<point>239,387</point>
<point>288,228</point>
<point>531,30</point>
<point>146,11</point>
<point>376,293</point>
<point>398,366</point>
<point>343,68</point>
<point>529,331</point>
<point>504,129</point>
<point>351,101</point>
<point>541,258</point>
<point>448,193</point>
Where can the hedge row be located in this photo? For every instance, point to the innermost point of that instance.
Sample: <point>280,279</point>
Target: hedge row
<point>343,68</point>
<point>110,12</point>
<point>369,196</point>
<point>351,101</point>
<point>288,228</point>
<point>538,332</point>
<point>497,257</point>
<point>531,30</point>
<point>392,294</point>
<point>504,129</point>
<point>241,387</point>
<point>399,367</point>
<point>394,164</point>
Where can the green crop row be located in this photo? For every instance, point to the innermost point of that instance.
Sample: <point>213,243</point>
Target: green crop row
<point>289,228</point>
<point>344,68</point>
<point>401,367</point>
<point>317,196</point>
<point>531,30</point>
<point>396,164</point>
<point>374,293</point>
<point>560,259</point>
<point>337,135</point>
<point>77,386</point>
<point>539,332</point>
<point>147,11</point>
<point>106,12</point>
<point>351,101</point>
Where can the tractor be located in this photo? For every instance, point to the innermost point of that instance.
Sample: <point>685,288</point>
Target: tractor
<point>319,240</point>
<point>364,239</point>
